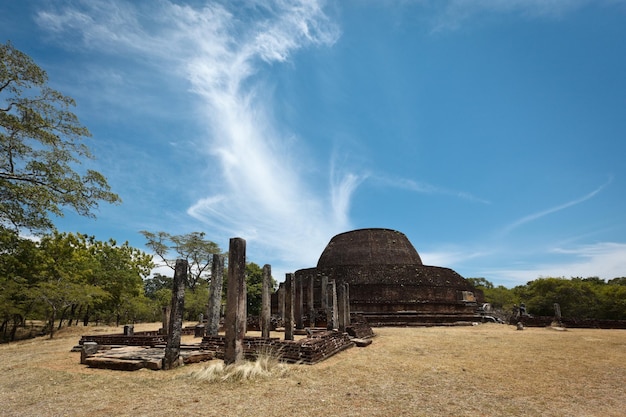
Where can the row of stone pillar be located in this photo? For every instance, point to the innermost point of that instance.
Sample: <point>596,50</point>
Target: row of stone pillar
<point>334,300</point>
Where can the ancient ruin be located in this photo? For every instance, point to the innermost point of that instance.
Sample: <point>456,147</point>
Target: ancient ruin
<point>387,283</point>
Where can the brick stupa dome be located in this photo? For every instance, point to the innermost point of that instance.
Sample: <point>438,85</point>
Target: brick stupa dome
<point>388,283</point>
<point>369,247</point>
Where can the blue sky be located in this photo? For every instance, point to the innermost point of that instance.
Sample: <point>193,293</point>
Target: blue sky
<point>490,132</point>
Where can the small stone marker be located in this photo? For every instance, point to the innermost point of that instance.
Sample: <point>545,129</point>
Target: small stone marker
<point>88,349</point>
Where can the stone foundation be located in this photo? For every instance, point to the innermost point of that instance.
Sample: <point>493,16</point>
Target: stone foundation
<point>319,346</point>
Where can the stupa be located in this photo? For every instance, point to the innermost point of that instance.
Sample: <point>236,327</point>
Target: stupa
<point>389,284</point>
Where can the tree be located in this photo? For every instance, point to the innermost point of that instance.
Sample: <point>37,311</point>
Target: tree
<point>481,283</point>
<point>120,272</point>
<point>254,288</point>
<point>192,247</point>
<point>64,279</point>
<point>40,143</point>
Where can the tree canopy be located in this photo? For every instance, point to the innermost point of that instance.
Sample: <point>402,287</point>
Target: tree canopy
<point>192,247</point>
<point>577,297</point>
<point>67,276</point>
<point>41,141</point>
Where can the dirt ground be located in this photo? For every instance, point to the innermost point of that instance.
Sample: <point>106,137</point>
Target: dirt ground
<point>485,370</point>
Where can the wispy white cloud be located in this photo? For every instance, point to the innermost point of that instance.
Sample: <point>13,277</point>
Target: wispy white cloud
<point>253,177</point>
<point>543,213</point>
<point>425,188</point>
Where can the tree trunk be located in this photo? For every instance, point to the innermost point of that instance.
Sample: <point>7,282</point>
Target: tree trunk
<point>77,315</point>
<point>17,320</point>
<point>86,317</point>
<point>53,317</point>
<point>62,317</point>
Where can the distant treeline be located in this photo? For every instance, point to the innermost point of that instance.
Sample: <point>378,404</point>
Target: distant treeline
<point>63,279</point>
<point>585,298</point>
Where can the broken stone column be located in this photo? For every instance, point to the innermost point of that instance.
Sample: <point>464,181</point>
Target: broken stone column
<point>290,293</point>
<point>215,298</point>
<point>310,301</point>
<point>165,320</point>
<point>332,311</point>
<point>172,349</point>
<point>235,320</point>
<point>299,307</point>
<point>266,306</point>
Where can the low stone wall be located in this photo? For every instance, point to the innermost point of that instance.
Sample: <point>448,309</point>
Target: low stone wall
<point>310,350</point>
<point>138,339</point>
<point>359,327</point>
<point>544,321</point>
<point>149,338</point>
<point>409,318</point>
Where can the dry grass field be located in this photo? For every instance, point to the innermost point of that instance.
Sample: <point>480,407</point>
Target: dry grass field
<point>486,370</point>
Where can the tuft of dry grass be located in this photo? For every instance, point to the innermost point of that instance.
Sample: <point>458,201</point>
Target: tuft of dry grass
<point>267,365</point>
<point>486,370</point>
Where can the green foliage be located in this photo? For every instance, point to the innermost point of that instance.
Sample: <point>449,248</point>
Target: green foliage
<point>40,143</point>
<point>577,297</point>
<point>192,247</point>
<point>254,287</point>
<point>590,297</point>
<point>499,297</point>
<point>67,272</point>
<point>158,282</point>
<point>480,283</point>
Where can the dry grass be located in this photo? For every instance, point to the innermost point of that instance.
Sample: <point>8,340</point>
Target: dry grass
<point>267,365</point>
<point>487,370</point>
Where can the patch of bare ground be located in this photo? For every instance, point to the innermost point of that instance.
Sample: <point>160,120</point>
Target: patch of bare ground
<point>486,370</point>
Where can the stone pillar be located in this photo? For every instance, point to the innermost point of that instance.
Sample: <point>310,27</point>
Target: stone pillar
<point>290,293</point>
<point>332,311</point>
<point>215,298</point>
<point>281,301</point>
<point>311,301</point>
<point>299,307</point>
<point>324,296</point>
<point>174,333</point>
<point>165,320</point>
<point>266,301</point>
<point>341,307</point>
<point>236,320</point>
<point>347,303</point>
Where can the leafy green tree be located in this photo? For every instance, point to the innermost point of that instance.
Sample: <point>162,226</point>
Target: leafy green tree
<point>120,272</point>
<point>19,260</point>
<point>480,283</point>
<point>65,276</point>
<point>254,287</point>
<point>40,143</point>
<point>158,282</point>
<point>192,247</point>
<point>575,297</point>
